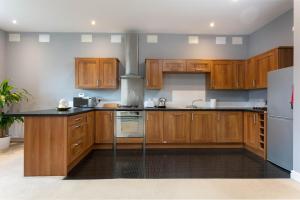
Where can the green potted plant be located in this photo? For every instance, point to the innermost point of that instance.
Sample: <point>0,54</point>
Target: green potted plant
<point>9,95</point>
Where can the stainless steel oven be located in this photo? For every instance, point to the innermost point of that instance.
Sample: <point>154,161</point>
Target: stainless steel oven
<point>129,124</point>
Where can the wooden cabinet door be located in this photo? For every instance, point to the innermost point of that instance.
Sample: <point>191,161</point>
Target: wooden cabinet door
<point>174,65</point>
<point>224,75</point>
<point>87,72</point>
<point>230,127</point>
<point>154,127</point>
<point>90,137</point>
<point>240,70</point>
<point>198,66</point>
<point>250,73</point>
<point>154,74</point>
<point>109,72</point>
<point>265,63</point>
<point>177,127</point>
<point>203,127</point>
<point>251,129</point>
<point>104,126</point>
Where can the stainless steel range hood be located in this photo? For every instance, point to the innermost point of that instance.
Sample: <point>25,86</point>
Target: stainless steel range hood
<point>132,84</point>
<point>131,56</point>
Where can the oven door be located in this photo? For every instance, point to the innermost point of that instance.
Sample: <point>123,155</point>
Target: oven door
<point>129,124</point>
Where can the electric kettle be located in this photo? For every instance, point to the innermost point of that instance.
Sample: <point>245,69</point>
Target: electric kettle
<point>162,102</point>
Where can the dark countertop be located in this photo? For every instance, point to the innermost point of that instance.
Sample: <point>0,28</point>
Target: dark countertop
<point>75,111</point>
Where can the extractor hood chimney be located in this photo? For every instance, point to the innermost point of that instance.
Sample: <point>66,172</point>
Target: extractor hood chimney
<point>131,56</point>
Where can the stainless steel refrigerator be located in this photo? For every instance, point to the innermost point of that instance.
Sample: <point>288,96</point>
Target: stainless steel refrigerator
<point>280,118</point>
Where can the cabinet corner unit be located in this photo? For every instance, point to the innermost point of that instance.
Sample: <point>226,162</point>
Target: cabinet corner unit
<point>97,73</point>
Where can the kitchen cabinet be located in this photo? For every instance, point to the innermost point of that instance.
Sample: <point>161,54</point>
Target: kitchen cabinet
<point>224,75</point>
<point>154,75</point>
<point>90,138</point>
<point>154,127</point>
<point>203,127</point>
<point>255,130</point>
<point>251,129</point>
<point>240,70</point>
<point>104,124</point>
<point>174,65</point>
<point>257,68</point>
<point>230,127</point>
<point>176,127</point>
<point>109,73</point>
<point>87,73</point>
<point>96,73</point>
<point>198,66</point>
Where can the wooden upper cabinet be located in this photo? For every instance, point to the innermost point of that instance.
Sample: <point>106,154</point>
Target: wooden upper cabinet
<point>109,73</point>
<point>264,64</point>
<point>203,127</point>
<point>154,127</point>
<point>154,76</point>
<point>104,127</point>
<point>95,73</point>
<point>251,129</point>
<point>177,127</point>
<point>87,73</point>
<point>224,75</point>
<point>240,70</point>
<point>174,65</point>
<point>230,127</point>
<point>198,66</point>
<point>250,73</point>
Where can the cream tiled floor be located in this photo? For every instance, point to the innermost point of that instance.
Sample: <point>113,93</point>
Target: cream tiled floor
<point>14,186</point>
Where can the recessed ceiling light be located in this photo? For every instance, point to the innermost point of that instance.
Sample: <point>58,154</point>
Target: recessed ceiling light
<point>14,21</point>
<point>93,22</point>
<point>212,24</point>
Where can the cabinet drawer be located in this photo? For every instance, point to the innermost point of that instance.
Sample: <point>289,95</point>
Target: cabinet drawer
<point>75,149</point>
<point>198,66</point>
<point>174,66</point>
<point>77,119</point>
<point>76,132</point>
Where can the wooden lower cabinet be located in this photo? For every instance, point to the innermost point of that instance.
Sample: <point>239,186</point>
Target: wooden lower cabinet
<point>176,127</point>
<point>203,127</point>
<point>154,127</point>
<point>251,129</point>
<point>230,127</point>
<point>104,127</point>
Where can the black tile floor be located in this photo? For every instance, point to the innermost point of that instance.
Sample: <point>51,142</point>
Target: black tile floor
<point>175,163</point>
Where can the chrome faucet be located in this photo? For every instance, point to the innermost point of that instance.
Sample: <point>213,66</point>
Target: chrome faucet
<point>193,106</point>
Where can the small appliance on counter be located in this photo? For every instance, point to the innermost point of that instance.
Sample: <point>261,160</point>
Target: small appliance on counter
<point>85,102</point>
<point>162,102</point>
<point>63,105</point>
<point>149,103</point>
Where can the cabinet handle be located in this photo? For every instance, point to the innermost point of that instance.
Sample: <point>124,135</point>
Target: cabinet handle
<point>111,116</point>
<point>192,116</point>
<point>146,116</point>
<point>77,126</point>
<point>77,119</point>
<point>164,142</point>
<point>147,82</point>
<point>254,118</point>
<point>97,82</point>
<point>77,144</point>
<point>219,117</point>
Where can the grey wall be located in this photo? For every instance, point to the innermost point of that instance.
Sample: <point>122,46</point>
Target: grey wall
<point>47,69</point>
<point>276,33</point>
<point>296,139</point>
<point>2,55</point>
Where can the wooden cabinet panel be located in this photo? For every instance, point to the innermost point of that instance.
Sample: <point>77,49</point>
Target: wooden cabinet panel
<point>250,73</point>
<point>104,126</point>
<point>90,137</point>
<point>94,73</point>
<point>177,127</point>
<point>154,75</point>
<point>174,66</point>
<point>198,66</point>
<point>224,75</point>
<point>230,127</point>
<point>109,72</point>
<point>154,127</point>
<point>265,63</point>
<point>87,72</point>
<point>240,70</point>
<point>203,127</point>
<point>251,129</point>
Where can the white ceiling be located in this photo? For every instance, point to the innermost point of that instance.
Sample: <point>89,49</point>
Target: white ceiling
<point>150,16</point>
